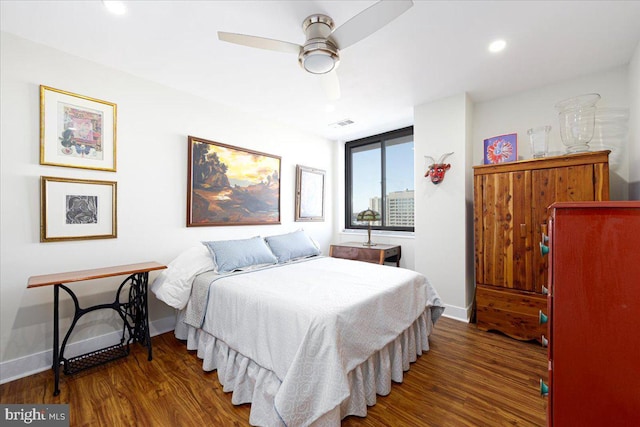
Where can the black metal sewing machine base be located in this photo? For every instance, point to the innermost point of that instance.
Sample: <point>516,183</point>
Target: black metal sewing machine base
<point>95,358</point>
<point>133,312</point>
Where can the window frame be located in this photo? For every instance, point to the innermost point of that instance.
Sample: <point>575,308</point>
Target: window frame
<point>371,140</point>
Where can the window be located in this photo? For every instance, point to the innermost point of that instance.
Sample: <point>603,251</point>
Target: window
<point>379,176</point>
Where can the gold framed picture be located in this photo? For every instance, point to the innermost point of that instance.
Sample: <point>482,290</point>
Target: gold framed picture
<point>77,131</point>
<point>230,185</point>
<point>77,209</point>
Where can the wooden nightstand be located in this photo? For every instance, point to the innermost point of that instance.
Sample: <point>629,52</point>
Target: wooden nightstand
<point>378,254</point>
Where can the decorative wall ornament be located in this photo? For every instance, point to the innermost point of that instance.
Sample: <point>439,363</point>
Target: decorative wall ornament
<point>437,170</point>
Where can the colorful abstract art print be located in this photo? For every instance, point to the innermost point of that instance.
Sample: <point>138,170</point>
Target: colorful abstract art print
<point>501,149</point>
<point>83,128</point>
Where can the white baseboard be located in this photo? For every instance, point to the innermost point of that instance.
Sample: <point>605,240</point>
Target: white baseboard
<point>458,313</point>
<point>38,362</point>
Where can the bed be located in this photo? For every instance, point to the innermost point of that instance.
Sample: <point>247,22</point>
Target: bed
<point>306,339</point>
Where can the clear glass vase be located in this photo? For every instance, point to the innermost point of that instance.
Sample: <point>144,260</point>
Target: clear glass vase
<point>539,138</point>
<point>611,133</point>
<point>577,120</point>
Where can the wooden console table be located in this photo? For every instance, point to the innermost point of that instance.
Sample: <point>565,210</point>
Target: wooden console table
<point>379,254</point>
<point>133,312</point>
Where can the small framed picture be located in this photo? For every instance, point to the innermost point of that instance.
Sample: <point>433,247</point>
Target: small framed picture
<point>77,209</point>
<point>501,149</point>
<point>77,131</point>
<point>309,194</point>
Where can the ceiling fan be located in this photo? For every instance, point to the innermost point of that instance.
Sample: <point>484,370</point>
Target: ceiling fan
<point>320,53</point>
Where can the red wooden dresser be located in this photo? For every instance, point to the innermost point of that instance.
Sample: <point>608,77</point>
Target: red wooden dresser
<point>594,314</point>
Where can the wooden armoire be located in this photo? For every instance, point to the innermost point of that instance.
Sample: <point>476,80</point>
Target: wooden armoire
<point>510,222</point>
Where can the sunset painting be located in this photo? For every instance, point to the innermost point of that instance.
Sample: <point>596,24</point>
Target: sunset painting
<point>231,186</point>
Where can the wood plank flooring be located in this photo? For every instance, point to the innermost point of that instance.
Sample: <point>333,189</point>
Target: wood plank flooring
<point>468,378</point>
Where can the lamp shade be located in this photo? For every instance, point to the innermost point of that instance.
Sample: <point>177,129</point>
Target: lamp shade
<point>368,215</point>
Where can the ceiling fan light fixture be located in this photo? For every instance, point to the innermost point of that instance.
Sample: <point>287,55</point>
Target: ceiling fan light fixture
<point>319,55</point>
<point>318,61</point>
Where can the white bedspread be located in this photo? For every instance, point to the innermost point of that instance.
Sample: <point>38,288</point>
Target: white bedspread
<point>313,322</point>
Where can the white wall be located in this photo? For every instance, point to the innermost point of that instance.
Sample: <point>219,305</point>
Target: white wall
<point>153,124</point>
<point>519,112</point>
<point>634,128</point>
<point>442,227</point>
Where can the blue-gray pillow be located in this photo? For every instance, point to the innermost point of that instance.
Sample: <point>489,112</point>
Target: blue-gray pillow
<point>292,246</point>
<point>229,255</point>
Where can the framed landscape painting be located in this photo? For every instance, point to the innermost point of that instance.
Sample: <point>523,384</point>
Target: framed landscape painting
<point>229,185</point>
<point>501,149</point>
<point>77,209</point>
<point>77,131</point>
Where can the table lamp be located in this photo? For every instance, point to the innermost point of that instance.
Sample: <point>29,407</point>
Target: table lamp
<point>369,216</point>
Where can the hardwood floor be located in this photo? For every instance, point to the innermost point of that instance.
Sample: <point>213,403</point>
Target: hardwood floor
<point>468,378</point>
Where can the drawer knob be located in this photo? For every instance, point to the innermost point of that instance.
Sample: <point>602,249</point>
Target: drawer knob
<point>545,290</point>
<point>544,249</point>
<point>542,318</point>
<point>544,341</point>
<point>544,389</point>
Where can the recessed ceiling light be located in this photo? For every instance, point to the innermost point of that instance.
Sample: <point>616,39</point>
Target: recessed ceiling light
<point>115,7</point>
<point>497,46</point>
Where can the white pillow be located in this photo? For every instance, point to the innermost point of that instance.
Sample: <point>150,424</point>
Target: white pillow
<point>173,285</point>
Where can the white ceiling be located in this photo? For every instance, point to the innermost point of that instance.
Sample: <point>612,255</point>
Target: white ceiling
<point>434,50</point>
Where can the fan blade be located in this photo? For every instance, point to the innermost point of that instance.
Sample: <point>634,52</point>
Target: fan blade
<point>331,85</point>
<point>369,21</point>
<point>259,42</point>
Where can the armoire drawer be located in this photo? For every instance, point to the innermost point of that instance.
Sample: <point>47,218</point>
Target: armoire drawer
<point>515,313</point>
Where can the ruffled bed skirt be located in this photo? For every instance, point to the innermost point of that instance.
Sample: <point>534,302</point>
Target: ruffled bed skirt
<point>251,383</point>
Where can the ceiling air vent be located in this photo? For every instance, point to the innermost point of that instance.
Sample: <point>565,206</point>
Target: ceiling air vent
<point>341,123</point>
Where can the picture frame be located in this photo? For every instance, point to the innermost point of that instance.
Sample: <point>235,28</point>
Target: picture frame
<point>501,149</point>
<point>77,209</point>
<point>310,189</point>
<point>77,131</point>
<point>229,185</point>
